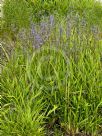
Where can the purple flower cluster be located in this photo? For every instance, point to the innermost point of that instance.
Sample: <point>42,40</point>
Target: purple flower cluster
<point>41,32</point>
<point>48,30</point>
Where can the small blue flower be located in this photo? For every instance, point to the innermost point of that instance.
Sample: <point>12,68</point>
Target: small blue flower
<point>33,32</point>
<point>51,20</point>
<point>38,39</point>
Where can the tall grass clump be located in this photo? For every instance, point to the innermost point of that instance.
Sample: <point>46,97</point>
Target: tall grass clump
<point>21,102</point>
<point>51,68</point>
<point>53,90</point>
